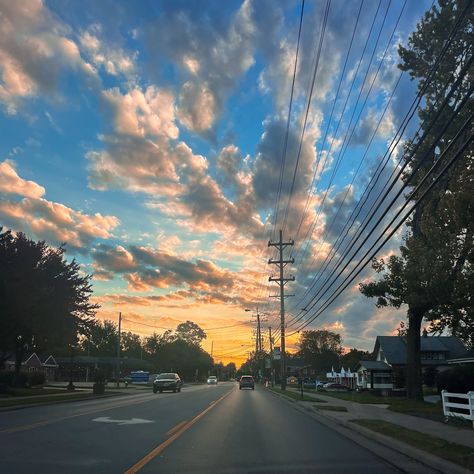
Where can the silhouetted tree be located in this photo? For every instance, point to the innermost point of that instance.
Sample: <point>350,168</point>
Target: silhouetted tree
<point>44,300</point>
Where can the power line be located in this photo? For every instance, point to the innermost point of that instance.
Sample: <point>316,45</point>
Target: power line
<point>392,147</point>
<point>348,280</point>
<point>316,67</point>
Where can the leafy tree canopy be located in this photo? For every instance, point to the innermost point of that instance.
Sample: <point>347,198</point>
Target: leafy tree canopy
<point>44,300</point>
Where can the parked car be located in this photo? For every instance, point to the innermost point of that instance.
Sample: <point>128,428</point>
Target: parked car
<point>335,387</point>
<point>292,381</point>
<point>246,381</point>
<point>212,380</point>
<point>167,381</point>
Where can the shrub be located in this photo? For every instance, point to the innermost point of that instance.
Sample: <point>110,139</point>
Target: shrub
<point>6,377</point>
<point>35,378</point>
<point>459,379</point>
<point>21,380</point>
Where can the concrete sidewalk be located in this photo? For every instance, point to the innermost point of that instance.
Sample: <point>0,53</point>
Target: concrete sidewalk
<point>356,411</point>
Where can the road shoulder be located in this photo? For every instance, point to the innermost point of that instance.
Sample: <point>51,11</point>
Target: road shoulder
<point>389,449</point>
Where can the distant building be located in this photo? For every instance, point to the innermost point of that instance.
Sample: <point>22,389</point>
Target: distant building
<point>32,362</point>
<point>388,369</point>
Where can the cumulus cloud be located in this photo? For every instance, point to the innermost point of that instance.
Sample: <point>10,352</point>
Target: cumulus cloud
<point>45,219</point>
<point>145,268</point>
<point>114,60</point>
<point>196,107</point>
<point>142,113</point>
<point>11,183</point>
<point>34,50</point>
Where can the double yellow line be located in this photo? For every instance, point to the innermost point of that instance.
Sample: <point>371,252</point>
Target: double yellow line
<point>175,432</point>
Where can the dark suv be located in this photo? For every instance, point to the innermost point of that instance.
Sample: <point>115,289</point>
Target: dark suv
<point>170,381</point>
<point>246,381</point>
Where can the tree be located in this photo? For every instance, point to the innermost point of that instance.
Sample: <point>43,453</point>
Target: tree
<point>433,275</point>
<point>350,359</point>
<point>44,300</point>
<point>100,339</point>
<point>321,349</point>
<point>131,345</point>
<point>191,333</point>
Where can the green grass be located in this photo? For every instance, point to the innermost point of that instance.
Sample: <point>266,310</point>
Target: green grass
<point>433,411</point>
<point>330,407</point>
<point>296,396</point>
<point>456,453</point>
<point>12,401</point>
<point>32,392</point>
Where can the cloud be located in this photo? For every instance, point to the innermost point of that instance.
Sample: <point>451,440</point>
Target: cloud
<point>196,107</point>
<point>45,219</point>
<point>145,268</point>
<point>11,183</point>
<point>34,51</point>
<point>149,113</point>
<point>103,55</point>
<point>211,59</point>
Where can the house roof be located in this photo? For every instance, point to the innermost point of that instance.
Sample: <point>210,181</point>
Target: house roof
<point>373,365</point>
<point>467,356</point>
<point>395,348</point>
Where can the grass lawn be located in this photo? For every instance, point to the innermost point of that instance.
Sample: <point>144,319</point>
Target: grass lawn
<point>32,392</point>
<point>296,396</point>
<point>462,455</point>
<point>330,407</point>
<point>63,395</point>
<point>433,411</point>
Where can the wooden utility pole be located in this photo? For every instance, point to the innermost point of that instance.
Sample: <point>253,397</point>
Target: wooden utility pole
<point>117,370</point>
<point>281,263</point>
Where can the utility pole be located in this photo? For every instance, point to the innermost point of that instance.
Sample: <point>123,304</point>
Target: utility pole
<point>117,370</point>
<point>281,263</point>
<point>272,374</point>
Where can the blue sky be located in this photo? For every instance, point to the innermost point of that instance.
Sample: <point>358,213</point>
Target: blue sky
<point>148,136</point>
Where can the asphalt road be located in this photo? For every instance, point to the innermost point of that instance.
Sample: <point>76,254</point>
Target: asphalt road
<point>200,430</point>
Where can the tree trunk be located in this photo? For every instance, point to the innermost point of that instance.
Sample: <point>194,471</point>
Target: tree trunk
<point>414,380</point>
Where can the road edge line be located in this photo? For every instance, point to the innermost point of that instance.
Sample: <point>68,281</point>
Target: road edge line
<point>432,462</point>
<point>154,452</point>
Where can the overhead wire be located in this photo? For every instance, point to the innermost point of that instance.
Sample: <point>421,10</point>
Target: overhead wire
<point>451,92</point>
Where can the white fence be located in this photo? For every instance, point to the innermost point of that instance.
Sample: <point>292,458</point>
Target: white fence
<point>463,410</point>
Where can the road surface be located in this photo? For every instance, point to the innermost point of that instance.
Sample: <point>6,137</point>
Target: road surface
<point>200,430</point>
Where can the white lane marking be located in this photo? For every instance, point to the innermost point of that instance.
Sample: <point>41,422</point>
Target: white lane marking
<point>132,421</point>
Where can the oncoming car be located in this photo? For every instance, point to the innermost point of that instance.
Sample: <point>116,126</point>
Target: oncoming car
<point>212,380</point>
<point>246,381</point>
<point>167,381</point>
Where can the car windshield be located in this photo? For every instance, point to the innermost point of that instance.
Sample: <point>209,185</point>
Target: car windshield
<point>166,376</point>
<point>274,198</point>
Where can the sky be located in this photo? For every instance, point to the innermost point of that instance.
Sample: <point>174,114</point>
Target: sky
<point>149,137</point>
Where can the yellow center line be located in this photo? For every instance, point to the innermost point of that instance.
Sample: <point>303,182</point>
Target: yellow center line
<point>176,428</point>
<point>152,454</point>
<point>16,429</point>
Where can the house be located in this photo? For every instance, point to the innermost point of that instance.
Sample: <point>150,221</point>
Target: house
<point>466,357</point>
<point>32,362</point>
<point>390,354</point>
<point>344,377</point>
<point>374,374</point>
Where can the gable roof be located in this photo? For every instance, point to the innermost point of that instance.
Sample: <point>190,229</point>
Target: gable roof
<point>373,365</point>
<point>395,347</point>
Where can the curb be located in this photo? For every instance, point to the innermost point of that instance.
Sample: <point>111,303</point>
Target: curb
<point>57,402</point>
<point>417,455</point>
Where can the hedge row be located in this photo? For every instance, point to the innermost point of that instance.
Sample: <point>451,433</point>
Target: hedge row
<point>24,379</point>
